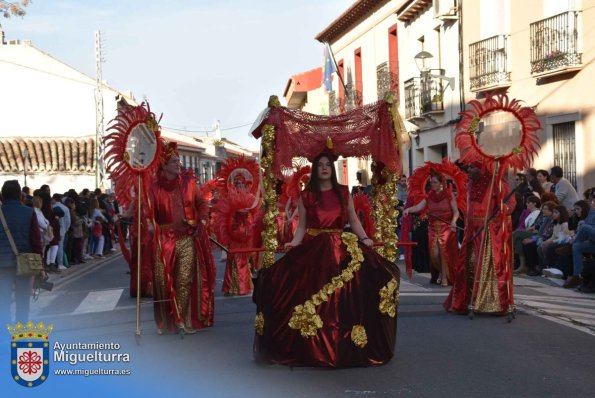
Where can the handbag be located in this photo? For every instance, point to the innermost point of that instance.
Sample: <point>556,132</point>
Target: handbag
<point>28,264</point>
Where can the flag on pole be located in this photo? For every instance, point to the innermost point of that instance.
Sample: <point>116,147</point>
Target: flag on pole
<point>328,68</point>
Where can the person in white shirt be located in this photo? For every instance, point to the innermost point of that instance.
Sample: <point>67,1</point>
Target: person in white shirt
<point>534,207</point>
<point>565,192</point>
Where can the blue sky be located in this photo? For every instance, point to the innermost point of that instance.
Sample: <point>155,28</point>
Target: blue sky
<point>195,61</point>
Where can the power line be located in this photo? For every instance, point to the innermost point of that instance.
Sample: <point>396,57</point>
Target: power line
<point>205,130</point>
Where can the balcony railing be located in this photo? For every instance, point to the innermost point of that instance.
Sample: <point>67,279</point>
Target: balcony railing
<point>554,43</point>
<point>386,81</point>
<point>424,94</point>
<point>488,62</point>
<point>351,99</point>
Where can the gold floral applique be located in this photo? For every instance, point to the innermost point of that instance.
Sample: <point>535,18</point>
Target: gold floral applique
<point>389,298</point>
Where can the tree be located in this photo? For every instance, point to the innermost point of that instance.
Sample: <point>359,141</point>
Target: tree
<point>16,8</point>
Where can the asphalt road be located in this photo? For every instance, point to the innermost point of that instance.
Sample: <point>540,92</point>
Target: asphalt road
<point>547,351</point>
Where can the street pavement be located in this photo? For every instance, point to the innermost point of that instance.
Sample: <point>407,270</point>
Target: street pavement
<point>547,351</point>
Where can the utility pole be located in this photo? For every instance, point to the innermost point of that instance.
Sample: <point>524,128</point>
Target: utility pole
<point>99,130</point>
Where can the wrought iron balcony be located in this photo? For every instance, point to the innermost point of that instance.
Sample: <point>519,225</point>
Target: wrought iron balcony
<point>554,43</point>
<point>386,81</point>
<point>424,94</point>
<point>488,63</point>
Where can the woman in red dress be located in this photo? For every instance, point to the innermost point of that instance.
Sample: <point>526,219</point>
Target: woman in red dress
<point>442,236</point>
<point>331,300</point>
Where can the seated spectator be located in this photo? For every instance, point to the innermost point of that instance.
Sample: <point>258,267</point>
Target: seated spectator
<point>540,234</point>
<point>526,230</point>
<point>584,243</point>
<point>560,236</point>
<point>562,257</point>
<point>544,179</point>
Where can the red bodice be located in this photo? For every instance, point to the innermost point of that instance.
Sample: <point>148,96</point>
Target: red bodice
<point>325,212</point>
<point>439,205</point>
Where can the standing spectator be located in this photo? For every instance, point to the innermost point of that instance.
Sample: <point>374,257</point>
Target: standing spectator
<point>402,193</point>
<point>76,234</point>
<point>22,223</point>
<point>45,229</point>
<point>544,179</point>
<point>565,192</point>
<point>64,227</point>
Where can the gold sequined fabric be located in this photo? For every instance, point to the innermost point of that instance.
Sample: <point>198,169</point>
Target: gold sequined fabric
<point>259,324</point>
<point>184,273</point>
<point>488,299</point>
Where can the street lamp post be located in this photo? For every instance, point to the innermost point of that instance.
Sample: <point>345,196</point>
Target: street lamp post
<point>25,159</point>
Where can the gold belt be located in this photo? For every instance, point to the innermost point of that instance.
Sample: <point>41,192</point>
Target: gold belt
<point>318,231</point>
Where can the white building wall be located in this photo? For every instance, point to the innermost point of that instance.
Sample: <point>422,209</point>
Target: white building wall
<point>371,36</point>
<point>441,39</point>
<point>42,97</point>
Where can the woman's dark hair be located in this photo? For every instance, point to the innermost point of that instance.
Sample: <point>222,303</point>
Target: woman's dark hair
<point>11,190</point>
<point>584,205</point>
<point>549,197</point>
<point>531,172</point>
<point>535,186</point>
<point>437,176</point>
<point>563,214</point>
<point>544,173</point>
<point>550,205</point>
<point>314,183</point>
<point>535,200</point>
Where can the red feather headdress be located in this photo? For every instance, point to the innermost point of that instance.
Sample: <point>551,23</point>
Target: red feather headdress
<point>235,169</point>
<point>117,158</point>
<point>449,170</point>
<point>521,156</point>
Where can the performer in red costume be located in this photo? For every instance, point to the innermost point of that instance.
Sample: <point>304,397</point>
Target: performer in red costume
<point>441,207</point>
<point>331,300</point>
<point>184,272</point>
<point>483,270</point>
<point>236,221</point>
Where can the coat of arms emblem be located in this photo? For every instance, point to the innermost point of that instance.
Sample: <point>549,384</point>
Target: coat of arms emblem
<point>30,353</point>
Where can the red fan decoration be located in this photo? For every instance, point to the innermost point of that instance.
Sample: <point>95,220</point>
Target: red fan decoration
<point>292,188</point>
<point>122,168</point>
<point>521,156</point>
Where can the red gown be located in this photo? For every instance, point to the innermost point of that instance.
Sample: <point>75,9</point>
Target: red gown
<point>492,275</point>
<point>184,271</point>
<point>439,232</point>
<point>314,308</point>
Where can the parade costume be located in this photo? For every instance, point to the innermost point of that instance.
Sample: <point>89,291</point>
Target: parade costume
<point>235,218</point>
<point>331,301</point>
<point>491,274</point>
<point>483,277</point>
<point>236,221</point>
<point>184,271</point>
<point>439,212</point>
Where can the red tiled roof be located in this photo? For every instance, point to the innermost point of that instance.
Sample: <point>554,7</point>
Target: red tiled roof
<point>412,9</point>
<point>358,11</point>
<point>303,82</point>
<point>47,155</point>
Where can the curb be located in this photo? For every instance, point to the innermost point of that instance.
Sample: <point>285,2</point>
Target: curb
<point>80,270</point>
